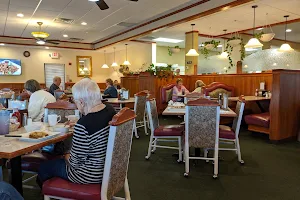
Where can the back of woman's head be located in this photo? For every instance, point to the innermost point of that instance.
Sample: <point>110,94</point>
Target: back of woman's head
<point>88,91</point>
<point>32,86</point>
<point>199,83</point>
<point>109,81</point>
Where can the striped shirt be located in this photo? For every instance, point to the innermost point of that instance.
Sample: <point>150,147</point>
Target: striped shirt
<point>87,159</point>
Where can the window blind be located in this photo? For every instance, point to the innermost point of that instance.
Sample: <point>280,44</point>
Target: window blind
<point>52,70</point>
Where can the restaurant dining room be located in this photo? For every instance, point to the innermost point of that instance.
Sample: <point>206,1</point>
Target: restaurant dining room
<point>149,99</point>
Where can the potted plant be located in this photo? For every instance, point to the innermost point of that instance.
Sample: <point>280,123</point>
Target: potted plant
<point>164,72</point>
<point>229,49</point>
<point>148,72</point>
<point>172,50</point>
<point>234,40</point>
<point>208,46</point>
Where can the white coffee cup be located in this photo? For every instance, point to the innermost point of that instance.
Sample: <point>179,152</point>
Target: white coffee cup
<point>53,119</point>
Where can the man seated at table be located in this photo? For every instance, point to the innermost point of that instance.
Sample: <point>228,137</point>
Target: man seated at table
<point>110,91</point>
<point>38,100</point>
<point>55,85</point>
<point>178,90</point>
<point>117,84</point>
<point>85,164</point>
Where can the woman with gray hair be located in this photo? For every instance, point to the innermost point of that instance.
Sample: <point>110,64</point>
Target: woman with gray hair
<point>85,164</point>
<point>38,100</point>
<point>198,85</point>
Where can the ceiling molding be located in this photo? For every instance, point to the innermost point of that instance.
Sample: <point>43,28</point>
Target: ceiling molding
<point>141,41</point>
<point>190,18</point>
<point>194,31</point>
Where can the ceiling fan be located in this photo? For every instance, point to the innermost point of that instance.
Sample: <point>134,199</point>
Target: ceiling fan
<point>102,5</point>
<point>41,37</point>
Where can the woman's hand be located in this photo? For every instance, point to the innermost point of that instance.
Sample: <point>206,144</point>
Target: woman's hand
<point>69,123</point>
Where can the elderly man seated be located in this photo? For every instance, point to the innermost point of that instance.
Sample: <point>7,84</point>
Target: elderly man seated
<point>55,85</point>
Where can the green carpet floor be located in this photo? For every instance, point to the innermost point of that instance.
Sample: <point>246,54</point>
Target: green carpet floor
<point>270,172</point>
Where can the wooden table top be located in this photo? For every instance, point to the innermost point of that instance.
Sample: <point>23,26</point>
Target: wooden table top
<point>12,147</point>
<point>249,98</point>
<point>117,101</point>
<point>181,111</point>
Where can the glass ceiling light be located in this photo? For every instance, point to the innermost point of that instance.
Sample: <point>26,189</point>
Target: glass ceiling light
<point>224,54</point>
<point>253,42</point>
<point>192,52</point>
<point>114,63</point>
<point>40,33</point>
<point>285,47</point>
<point>126,62</point>
<point>105,65</point>
<point>41,42</point>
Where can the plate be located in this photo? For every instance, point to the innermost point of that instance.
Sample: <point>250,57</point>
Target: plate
<point>25,136</point>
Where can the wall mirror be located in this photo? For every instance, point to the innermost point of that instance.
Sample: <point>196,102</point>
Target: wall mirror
<point>84,66</point>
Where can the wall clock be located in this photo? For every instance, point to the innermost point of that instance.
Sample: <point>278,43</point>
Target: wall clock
<point>26,53</point>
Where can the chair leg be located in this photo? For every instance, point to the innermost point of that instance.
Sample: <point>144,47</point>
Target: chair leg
<point>145,126</point>
<point>46,197</point>
<point>154,145</point>
<point>187,160</point>
<point>150,146</point>
<point>135,130</point>
<point>216,163</point>
<point>179,150</point>
<point>205,154</point>
<point>127,191</point>
<point>239,150</point>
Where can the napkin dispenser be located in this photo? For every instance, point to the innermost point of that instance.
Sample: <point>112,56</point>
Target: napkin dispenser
<point>125,94</point>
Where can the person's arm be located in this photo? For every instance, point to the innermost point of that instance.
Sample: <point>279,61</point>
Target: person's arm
<point>175,91</point>
<point>80,146</point>
<point>186,90</point>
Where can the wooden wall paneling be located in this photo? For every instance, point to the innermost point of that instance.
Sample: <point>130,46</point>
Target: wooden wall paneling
<point>285,105</point>
<point>131,83</point>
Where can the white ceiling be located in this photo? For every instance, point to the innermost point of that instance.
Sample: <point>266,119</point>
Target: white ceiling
<point>101,23</point>
<point>239,18</point>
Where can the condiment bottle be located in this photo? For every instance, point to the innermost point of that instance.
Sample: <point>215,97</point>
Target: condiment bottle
<point>256,92</point>
<point>17,114</point>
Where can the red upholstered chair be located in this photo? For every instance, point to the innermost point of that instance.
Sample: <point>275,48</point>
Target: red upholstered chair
<point>161,133</point>
<point>214,89</point>
<point>202,121</point>
<point>115,169</point>
<point>258,122</point>
<point>230,135</point>
<point>62,108</point>
<point>166,93</point>
<point>139,109</point>
<point>192,96</point>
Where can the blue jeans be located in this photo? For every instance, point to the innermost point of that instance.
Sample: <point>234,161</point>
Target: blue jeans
<point>8,192</point>
<point>52,168</point>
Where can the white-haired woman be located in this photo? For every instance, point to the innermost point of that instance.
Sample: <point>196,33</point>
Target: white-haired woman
<point>87,156</point>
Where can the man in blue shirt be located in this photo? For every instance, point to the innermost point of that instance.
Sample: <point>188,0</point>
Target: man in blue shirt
<point>110,91</point>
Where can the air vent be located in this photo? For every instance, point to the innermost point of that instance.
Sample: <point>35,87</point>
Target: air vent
<point>64,20</point>
<point>148,38</point>
<point>76,39</point>
<point>126,24</point>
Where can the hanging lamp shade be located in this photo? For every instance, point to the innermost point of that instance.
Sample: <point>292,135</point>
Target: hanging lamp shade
<point>285,47</point>
<point>192,51</point>
<point>114,63</point>
<point>104,66</point>
<point>126,62</point>
<point>224,54</point>
<point>253,42</point>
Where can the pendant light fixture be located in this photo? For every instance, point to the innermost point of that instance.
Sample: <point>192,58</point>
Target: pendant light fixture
<point>192,51</point>
<point>224,54</point>
<point>126,62</point>
<point>105,66</point>
<point>114,63</point>
<point>253,42</point>
<point>285,46</point>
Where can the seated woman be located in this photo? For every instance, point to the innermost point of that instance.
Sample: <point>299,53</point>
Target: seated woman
<point>117,84</point>
<point>110,91</point>
<point>86,160</point>
<point>178,90</point>
<point>198,85</point>
<point>38,100</point>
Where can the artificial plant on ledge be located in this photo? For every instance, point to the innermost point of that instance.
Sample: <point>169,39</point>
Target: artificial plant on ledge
<point>160,72</point>
<point>208,46</point>
<point>172,50</point>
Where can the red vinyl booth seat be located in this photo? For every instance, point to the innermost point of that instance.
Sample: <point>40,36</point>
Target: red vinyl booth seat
<point>166,93</point>
<point>261,119</point>
<point>215,88</point>
<point>66,189</point>
<point>169,130</point>
<point>226,132</point>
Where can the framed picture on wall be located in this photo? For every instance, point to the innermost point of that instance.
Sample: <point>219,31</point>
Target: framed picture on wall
<point>10,67</point>
<point>84,66</point>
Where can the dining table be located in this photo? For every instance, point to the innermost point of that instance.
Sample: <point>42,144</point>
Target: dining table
<point>170,110</point>
<point>120,102</point>
<point>11,147</point>
<point>253,99</point>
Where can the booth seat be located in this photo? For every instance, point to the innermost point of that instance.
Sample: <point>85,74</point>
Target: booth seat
<point>166,93</point>
<point>214,89</point>
<point>258,122</point>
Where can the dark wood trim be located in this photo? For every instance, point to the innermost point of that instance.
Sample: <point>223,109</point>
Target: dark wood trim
<point>194,31</point>
<point>141,41</point>
<point>26,38</point>
<point>37,45</point>
<point>190,18</point>
<point>125,115</point>
<point>274,39</point>
<point>258,129</point>
<point>250,29</point>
